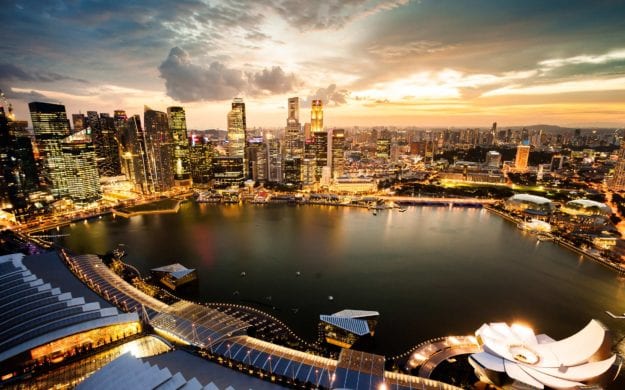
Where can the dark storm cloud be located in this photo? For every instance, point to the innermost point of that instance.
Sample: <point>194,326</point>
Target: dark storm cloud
<point>120,41</point>
<point>330,96</point>
<point>25,96</point>
<point>10,72</point>
<point>188,81</point>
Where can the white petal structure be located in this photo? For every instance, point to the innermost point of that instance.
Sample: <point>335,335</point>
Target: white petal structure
<point>538,360</point>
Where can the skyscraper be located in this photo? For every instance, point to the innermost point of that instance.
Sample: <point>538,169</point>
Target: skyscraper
<point>294,140</point>
<point>200,160</point>
<point>275,161</point>
<point>79,121</point>
<point>319,149</point>
<point>106,146</point>
<point>258,162</point>
<point>134,154</point>
<point>319,146</point>
<point>80,168</point>
<point>178,127</point>
<point>160,150</point>
<point>238,103</point>
<point>18,169</point>
<point>316,117</point>
<point>337,151</point>
<point>236,132</point>
<point>522,157</point>
<point>51,126</point>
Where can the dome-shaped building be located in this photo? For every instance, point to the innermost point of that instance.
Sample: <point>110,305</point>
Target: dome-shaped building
<point>586,207</point>
<point>530,204</point>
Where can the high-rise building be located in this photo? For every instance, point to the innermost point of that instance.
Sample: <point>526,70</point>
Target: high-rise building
<point>293,171</point>
<point>337,152</point>
<point>319,138</point>
<point>79,121</point>
<point>238,103</point>
<point>294,139</point>
<point>18,170</point>
<point>316,117</point>
<point>618,178</point>
<point>200,159</point>
<point>134,153</point>
<point>178,127</point>
<point>80,168</point>
<point>258,161</point>
<point>51,126</point>
<point>522,157</point>
<point>160,150</point>
<point>275,161</point>
<point>228,171</point>
<point>103,134</point>
<point>319,149</point>
<point>236,133</point>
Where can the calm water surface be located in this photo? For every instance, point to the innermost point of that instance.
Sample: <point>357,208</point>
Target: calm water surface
<point>430,271</point>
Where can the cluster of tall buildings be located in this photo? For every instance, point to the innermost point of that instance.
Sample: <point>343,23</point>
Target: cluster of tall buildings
<point>156,154</point>
<point>57,163</point>
<point>301,157</point>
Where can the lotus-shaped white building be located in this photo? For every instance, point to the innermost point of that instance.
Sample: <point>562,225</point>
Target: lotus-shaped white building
<point>516,353</point>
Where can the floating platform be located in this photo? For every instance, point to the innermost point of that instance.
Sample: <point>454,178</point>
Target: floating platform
<point>174,276</point>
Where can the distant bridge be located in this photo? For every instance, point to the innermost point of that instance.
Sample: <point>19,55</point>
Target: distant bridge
<point>438,201</point>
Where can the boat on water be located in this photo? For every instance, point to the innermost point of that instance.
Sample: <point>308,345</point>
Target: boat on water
<point>401,210</point>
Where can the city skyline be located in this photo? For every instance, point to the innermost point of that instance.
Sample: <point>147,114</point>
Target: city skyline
<point>402,63</point>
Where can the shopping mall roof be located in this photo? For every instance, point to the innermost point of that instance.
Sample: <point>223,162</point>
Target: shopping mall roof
<point>41,301</point>
<point>172,370</point>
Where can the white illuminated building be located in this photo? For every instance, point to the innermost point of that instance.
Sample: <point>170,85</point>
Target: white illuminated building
<point>538,360</point>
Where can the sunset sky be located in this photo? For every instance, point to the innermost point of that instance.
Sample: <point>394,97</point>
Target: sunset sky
<point>396,62</point>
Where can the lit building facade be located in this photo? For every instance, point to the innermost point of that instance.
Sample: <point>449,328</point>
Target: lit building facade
<point>293,171</point>
<point>160,150</point>
<point>236,133</point>
<point>293,137</point>
<point>18,169</point>
<point>258,161</point>
<point>275,161</point>
<point>228,171</point>
<point>383,148</point>
<point>51,126</point>
<point>178,127</point>
<point>200,160</point>
<point>522,157</point>
<point>319,149</point>
<point>316,117</point>
<point>80,168</point>
<point>337,151</point>
<point>106,146</point>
